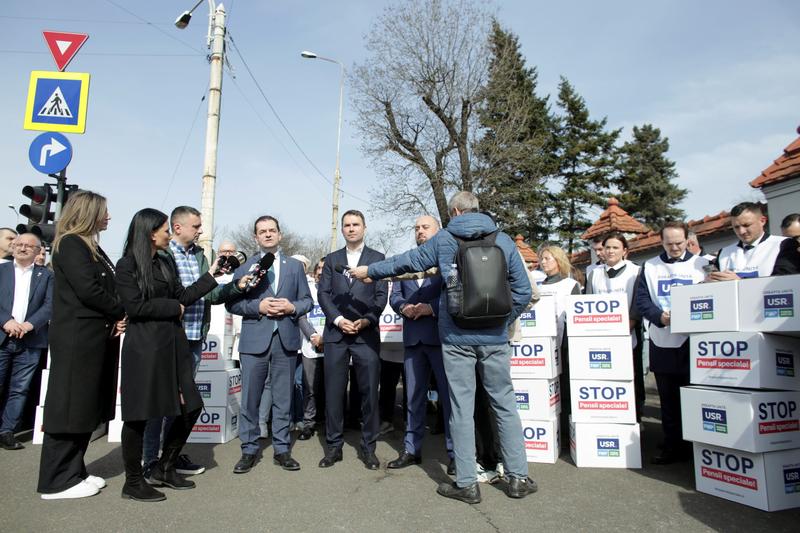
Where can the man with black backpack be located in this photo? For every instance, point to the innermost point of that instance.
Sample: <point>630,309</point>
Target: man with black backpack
<point>486,287</point>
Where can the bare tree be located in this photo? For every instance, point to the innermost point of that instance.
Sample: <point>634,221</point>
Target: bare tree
<point>415,97</point>
<point>313,247</point>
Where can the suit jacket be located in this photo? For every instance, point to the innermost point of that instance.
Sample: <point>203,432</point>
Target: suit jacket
<point>257,328</point>
<point>424,330</point>
<point>353,299</point>
<point>40,303</point>
<point>788,260</point>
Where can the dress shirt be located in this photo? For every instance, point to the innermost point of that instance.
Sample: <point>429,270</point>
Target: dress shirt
<point>22,289</point>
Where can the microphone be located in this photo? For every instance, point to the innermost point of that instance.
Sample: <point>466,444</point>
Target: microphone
<point>260,270</point>
<point>341,269</point>
<point>229,263</point>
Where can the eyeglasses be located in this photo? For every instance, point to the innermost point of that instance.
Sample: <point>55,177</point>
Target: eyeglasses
<point>24,246</point>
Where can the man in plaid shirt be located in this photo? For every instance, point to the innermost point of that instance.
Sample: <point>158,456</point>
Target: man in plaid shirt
<point>191,264</point>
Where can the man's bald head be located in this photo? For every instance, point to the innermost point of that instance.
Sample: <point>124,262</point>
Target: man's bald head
<point>425,228</point>
<point>226,248</point>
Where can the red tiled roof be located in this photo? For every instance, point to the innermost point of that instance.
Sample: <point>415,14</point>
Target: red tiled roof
<point>786,167</point>
<point>614,218</point>
<point>528,255</point>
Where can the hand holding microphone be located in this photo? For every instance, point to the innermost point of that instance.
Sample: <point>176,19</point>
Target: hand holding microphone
<point>259,271</point>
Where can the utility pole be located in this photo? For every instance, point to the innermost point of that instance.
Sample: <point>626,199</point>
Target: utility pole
<point>217,37</point>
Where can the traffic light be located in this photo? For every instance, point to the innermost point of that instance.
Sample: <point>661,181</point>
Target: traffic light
<point>38,213</point>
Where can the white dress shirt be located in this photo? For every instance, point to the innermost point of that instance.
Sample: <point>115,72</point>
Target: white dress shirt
<point>353,257</point>
<point>22,290</point>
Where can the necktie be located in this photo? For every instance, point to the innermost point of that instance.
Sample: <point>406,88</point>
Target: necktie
<point>748,247</point>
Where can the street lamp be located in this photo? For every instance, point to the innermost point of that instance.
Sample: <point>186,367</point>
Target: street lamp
<point>216,41</point>
<point>337,178</point>
<point>11,206</point>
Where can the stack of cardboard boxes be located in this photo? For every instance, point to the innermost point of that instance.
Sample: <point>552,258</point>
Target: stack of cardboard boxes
<point>742,411</point>
<point>535,370</point>
<point>603,428</point>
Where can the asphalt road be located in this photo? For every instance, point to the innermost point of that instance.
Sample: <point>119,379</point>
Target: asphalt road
<point>348,497</point>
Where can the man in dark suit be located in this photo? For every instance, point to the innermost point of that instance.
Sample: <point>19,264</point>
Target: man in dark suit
<point>352,313</point>
<point>418,302</point>
<point>268,344</point>
<point>26,305</point>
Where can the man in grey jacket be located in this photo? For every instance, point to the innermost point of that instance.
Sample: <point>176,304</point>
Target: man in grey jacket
<point>464,350</point>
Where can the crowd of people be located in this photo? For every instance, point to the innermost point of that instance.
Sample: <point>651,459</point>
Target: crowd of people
<point>161,291</point>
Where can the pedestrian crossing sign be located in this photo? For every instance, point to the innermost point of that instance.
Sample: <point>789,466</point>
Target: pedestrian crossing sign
<point>57,101</point>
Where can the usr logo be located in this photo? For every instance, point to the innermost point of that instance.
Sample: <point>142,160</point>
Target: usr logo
<point>784,364</point>
<point>779,305</point>
<point>715,420</point>
<point>701,308</point>
<point>608,447</point>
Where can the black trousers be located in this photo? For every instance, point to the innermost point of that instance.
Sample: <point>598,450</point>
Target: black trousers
<point>390,377</point>
<point>669,392</point>
<point>366,364</point>
<point>487,441</point>
<point>61,465</point>
<point>133,435</point>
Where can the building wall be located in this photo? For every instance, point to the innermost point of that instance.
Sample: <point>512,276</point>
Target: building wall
<point>782,199</point>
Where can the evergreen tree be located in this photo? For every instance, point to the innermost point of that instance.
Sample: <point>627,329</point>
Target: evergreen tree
<point>586,163</point>
<point>515,152</point>
<point>646,177</point>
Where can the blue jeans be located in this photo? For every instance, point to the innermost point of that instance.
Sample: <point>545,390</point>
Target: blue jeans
<point>156,427</point>
<point>21,362</point>
<point>494,365</point>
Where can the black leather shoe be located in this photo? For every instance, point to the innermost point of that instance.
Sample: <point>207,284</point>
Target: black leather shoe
<point>169,478</point>
<point>306,434</point>
<point>10,442</point>
<point>245,463</point>
<point>520,487</point>
<point>405,459</point>
<point>471,494</point>
<point>370,460</point>
<point>285,461</point>
<point>331,457</point>
<point>141,492</point>
<point>451,468</point>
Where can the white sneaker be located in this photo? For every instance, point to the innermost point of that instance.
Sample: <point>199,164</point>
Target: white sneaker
<point>501,472</point>
<point>81,490</point>
<point>486,476</point>
<point>97,481</point>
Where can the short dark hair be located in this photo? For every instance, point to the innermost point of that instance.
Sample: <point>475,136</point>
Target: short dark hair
<point>355,213</point>
<point>675,224</point>
<point>264,218</point>
<point>180,212</point>
<point>788,220</point>
<point>616,235</point>
<point>753,207</point>
<point>599,238</point>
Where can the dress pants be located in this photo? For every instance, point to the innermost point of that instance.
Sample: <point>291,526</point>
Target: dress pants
<point>61,465</point>
<point>367,366</point>
<point>419,362</point>
<point>313,390</point>
<point>669,392</point>
<point>279,364</point>
<point>493,362</point>
<point>387,395</point>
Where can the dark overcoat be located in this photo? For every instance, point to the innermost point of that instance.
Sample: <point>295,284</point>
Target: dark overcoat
<point>156,359</point>
<point>84,357</point>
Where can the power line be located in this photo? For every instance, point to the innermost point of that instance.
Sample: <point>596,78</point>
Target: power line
<point>125,54</point>
<point>154,26</point>
<point>97,21</point>
<point>283,125</point>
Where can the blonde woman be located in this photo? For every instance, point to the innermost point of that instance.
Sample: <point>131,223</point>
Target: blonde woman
<point>84,348</point>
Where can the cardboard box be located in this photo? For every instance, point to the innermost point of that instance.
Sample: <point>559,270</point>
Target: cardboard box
<point>216,354</point>
<point>705,307</point>
<point>607,358</point>
<point>43,387</point>
<point>540,320</point>
<point>752,421</point>
<point>770,304</point>
<point>538,399</point>
<point>38,423</point>
<point>590,315</point>
<point>767,481</point>
<point>535,358</point>
<point>221,387</point>
<point>391,325</point>
<point>221,324</point>
<point>605,445</point>
<point>115,426</point>
<point>603,401</point>
<point>542,440</point>
<point>216,425</point>
<point>745,359</point>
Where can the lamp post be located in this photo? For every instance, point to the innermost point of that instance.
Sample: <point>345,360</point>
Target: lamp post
<point>216,41</point>
<point>11,206</point>
<point>337,178</point>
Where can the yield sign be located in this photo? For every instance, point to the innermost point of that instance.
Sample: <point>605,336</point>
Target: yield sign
<point>64,46</point>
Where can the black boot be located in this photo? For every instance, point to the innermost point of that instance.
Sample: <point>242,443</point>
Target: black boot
<point>140,491</point>
<point>164,474</point>
<point>135,487</point>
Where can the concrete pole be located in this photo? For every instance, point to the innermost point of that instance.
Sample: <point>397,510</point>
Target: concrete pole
<point>217,33</point>
<point>337,177</point>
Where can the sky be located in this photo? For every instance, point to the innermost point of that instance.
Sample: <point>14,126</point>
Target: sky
<point>720,79</point>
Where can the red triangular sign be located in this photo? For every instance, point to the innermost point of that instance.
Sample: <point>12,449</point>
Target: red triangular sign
<point>64,46</point>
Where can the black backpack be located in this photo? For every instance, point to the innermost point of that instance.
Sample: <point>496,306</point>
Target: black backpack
<point>478,292</point>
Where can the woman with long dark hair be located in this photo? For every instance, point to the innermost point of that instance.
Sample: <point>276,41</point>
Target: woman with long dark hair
<point>156,359</point>
<point>84,348</point>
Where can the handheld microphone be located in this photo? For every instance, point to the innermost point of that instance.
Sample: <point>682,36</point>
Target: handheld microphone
<point>229,263</point>
<point>260,270</point>
<point>341,269</point>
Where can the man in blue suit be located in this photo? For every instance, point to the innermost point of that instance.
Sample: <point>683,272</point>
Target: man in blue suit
<point>352,313</point>
<point>418,302</point>
<point>268,344</point>
<point>26,305</point>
